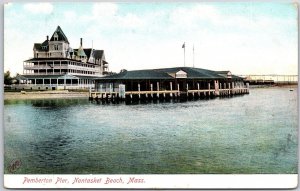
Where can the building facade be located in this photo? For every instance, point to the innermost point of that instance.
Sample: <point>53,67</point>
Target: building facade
<point>55,65</point>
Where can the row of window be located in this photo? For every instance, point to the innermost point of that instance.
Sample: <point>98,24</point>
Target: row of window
<point>48,55</point>
<point>81,64</point>
<point>63,71</point>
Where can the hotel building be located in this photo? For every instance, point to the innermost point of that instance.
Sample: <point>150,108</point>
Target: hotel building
<point>55,65</point>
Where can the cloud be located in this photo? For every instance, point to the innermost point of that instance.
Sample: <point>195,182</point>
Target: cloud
<point>130,21</point>
<point>104,9</point>
<point>240,42</point>
<point>70,15</point>
<point>39,8</point>
<point>192,16</point>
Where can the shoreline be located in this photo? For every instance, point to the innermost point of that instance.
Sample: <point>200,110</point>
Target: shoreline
<point>44,95</point>
<point>65,94</point>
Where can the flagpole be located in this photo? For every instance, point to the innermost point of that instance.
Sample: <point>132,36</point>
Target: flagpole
<point>183,46</point>
<point>193,57</point>
<point>184,54</point>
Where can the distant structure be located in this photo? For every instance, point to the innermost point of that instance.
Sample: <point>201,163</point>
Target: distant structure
<point>270,79</point>
<point>55,65</point>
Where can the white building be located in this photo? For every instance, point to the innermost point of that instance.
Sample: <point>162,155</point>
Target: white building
<point>55,65</point>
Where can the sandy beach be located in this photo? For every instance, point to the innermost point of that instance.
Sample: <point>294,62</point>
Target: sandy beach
<point>44,95</point>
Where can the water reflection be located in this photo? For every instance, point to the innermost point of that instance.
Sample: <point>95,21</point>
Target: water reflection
<point>57,103</point>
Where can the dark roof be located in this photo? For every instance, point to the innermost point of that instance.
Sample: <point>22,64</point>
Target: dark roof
<point>98,54</point>
<point>41,47</point>
<point>61,35</point>
<point>87,52</point>
<point>193,72</point>
<point>223,72</point>
<point>166,73</point>
<point>45,43</point>
<point>37,46</point>
<point>139,74</point>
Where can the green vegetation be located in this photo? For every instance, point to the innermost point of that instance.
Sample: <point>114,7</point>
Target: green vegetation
<point>7,78</point>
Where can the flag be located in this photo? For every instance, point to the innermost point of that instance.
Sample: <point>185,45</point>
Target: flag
<point>183,46</point>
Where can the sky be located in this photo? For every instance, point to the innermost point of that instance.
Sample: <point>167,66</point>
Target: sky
<point>245,38</point>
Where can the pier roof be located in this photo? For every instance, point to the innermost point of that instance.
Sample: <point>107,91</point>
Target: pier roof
<point>167,73</point>
<point>139,74</point>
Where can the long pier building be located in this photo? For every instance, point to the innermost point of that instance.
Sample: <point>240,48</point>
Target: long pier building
<point>166,83</point>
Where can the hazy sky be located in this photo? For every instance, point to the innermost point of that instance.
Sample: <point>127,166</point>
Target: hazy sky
<point>245,38</point>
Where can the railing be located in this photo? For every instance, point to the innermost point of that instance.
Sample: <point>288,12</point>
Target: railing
<point>46,73</point>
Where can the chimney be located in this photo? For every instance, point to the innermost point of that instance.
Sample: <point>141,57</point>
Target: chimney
<point>80,41</point>
<point>47,37</point>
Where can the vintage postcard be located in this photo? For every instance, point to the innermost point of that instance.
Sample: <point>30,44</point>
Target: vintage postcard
<point>156,95</point>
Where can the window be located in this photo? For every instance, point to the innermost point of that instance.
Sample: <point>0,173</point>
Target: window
<point>55,47</point>
<point>55,37</point>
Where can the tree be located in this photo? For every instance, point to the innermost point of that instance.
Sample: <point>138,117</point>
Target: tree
<point>7,78</point>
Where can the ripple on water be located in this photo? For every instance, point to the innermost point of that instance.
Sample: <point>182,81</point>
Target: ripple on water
<point>255,133</point>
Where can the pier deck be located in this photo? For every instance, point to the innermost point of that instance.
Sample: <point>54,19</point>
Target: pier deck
<point>166,94</point>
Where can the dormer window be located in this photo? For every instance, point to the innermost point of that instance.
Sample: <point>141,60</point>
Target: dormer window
<point>55,37</point>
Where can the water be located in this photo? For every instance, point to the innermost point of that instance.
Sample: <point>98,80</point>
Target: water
<point>255,133</point>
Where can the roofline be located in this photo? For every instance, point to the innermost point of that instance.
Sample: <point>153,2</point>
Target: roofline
<point>120,78</point>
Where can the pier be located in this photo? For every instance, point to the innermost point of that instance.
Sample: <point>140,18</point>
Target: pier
<point>168,94</point>
<point>184,83</point>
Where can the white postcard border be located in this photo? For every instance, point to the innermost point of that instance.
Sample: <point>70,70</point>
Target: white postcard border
<point>249,181</point>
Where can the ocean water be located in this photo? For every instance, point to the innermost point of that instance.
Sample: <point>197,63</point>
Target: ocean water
<point>255,133</point>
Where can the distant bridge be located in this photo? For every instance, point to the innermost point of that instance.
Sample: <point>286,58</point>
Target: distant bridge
<point>271,78</point>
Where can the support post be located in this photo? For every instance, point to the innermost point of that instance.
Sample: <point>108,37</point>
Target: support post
<point>171,88</point>
<point>90,92</point>
<point>208,89</point>
<point>139,89</point>
<point>247,85</point>
<point>110,90</point>
<point>100,88</point>
<point>151,89</point>
<point>157,89</point>
<point>217,92</point>
<point>187,89</point>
